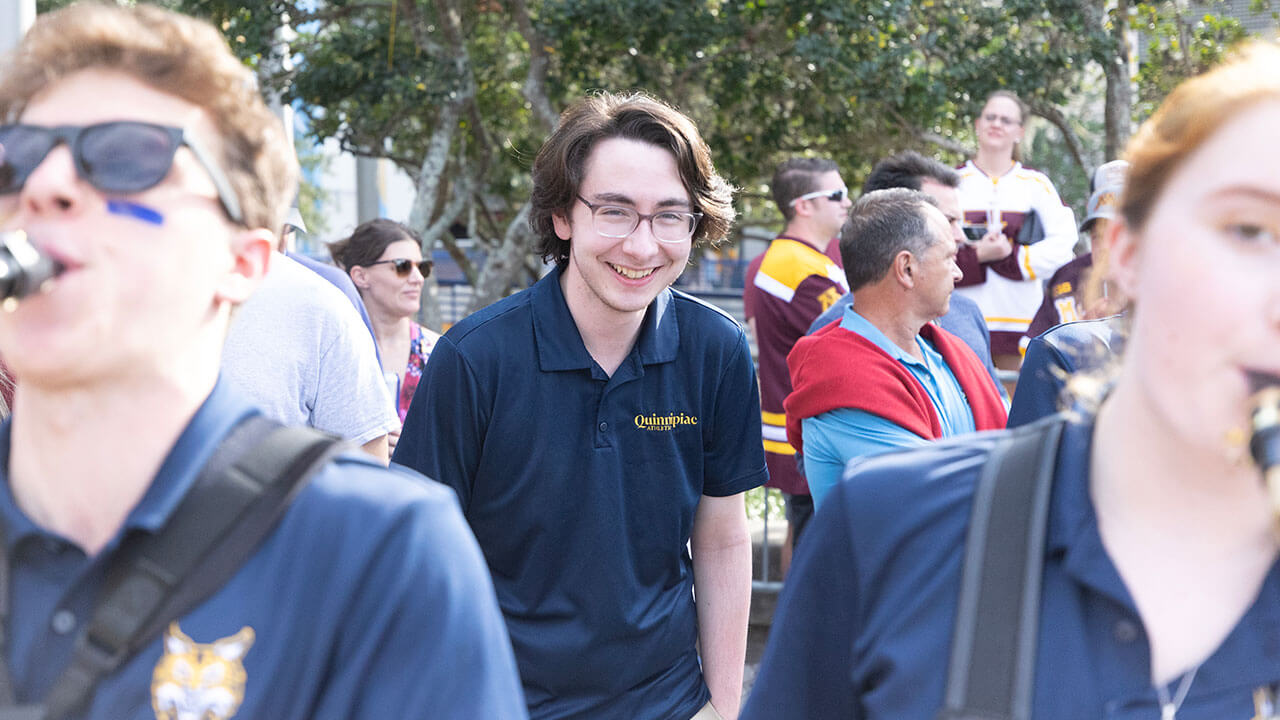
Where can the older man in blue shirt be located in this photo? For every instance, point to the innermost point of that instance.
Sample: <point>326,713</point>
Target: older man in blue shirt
<point>886,377</point>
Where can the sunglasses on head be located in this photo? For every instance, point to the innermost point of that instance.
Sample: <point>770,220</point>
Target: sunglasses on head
<point>115,157</point>
<point>402,266</point>
<point>836,195</point>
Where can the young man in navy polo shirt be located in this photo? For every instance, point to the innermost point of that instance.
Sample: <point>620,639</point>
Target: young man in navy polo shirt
<point>139,156</point>
<point>599,421</point>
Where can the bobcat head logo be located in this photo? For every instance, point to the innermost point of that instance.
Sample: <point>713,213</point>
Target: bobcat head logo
<point>198,681</point>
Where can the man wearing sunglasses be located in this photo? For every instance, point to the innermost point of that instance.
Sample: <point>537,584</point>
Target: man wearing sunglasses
<point>138,154</point>
<point>599,423</point>
<point>785,288</point>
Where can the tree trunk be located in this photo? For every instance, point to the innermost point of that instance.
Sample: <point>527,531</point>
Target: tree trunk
<point>505,263</point>
<point>424,203</point>
<point>1119,104</point>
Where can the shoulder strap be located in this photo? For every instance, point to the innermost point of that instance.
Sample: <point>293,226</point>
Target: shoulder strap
<point>993,650</point>
<point>153,578</point>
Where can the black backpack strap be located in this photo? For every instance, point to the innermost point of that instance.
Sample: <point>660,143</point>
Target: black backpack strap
<point>993,651</point>
<point>153,578</point>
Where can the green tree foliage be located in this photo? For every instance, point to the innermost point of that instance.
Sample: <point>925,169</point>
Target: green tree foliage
<point>460,93</point>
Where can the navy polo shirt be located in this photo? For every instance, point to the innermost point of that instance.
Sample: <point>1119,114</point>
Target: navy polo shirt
<point>1082,346</point>
<point>369,600</point>
<point>864,624</point>
<point>582,488</point>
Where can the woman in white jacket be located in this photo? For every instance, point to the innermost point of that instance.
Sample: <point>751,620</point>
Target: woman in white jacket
<point>1007,259</point>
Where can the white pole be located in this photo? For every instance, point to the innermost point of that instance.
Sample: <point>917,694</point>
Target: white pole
<point>15,17</point>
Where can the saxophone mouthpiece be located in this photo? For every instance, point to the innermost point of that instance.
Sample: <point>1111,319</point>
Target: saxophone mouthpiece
<point>1264,423</point>
<point>23,268</point>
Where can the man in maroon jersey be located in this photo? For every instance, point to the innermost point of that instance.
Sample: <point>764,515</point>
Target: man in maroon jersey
<point>786,287</point>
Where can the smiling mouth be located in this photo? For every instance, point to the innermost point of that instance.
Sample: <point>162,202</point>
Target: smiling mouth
<point>632,274</point>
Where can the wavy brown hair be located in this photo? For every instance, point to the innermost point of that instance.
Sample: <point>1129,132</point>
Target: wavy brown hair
<point>559,167</point>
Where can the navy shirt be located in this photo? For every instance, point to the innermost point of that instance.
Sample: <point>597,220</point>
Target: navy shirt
<point>964,320</point>
<point>582,487</point>
<point>369,600</point>
<point>864,623</point>
<point>1082,346</point>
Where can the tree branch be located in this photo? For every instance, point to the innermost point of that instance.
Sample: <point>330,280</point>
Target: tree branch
<point>535,82</point>
<point>421,36</point>
<point>433,166</point>
<point>1058,120</point>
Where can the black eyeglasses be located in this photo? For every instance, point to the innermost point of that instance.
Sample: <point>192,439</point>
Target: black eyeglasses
<point>402,266</point>
<point>836,195</point>
<point>114,157</point>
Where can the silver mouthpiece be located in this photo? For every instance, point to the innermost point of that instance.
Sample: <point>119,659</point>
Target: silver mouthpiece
<point>23,268</point>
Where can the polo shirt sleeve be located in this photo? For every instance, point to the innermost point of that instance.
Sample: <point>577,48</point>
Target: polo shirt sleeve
<point>807,667</point>
<point>734,454</point>
<point>834,438</point>
<point>423,636</point>
<point>444,429</point>
<point>1040,382</point>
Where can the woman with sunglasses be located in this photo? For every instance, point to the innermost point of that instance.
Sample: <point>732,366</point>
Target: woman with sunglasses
<point>1160,591</point>
<point>1019,232</point>
<point>384,260</point>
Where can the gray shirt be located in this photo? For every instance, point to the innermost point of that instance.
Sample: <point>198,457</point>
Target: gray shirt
<point>299,350</point>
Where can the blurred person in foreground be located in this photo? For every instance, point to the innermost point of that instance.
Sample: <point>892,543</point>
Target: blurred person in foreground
<point>1161,587</point>
<point>140,156</point>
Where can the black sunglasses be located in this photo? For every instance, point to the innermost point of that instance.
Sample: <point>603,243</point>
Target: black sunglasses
<point>114,157</point>
<point>402,266</point>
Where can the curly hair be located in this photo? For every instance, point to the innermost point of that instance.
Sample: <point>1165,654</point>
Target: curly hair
<point>559,167</point>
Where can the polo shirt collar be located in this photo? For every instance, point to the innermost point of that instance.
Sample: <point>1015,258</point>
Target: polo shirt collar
<point>1073,533</point>
<point>211,422</point>
<point>559,342</point>
<point>1247,655</point>
<point>856,323</point>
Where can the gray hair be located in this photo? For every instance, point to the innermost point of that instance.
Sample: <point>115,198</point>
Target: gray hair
<point>882,224</point>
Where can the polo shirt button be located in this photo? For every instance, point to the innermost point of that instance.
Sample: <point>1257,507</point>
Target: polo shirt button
<point>64,621</point>
<point>604,427</point>
<point>1126,632</point>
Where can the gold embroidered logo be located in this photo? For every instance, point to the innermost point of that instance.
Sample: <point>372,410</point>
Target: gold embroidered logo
<point>670,421</point>
<point>198,681</point>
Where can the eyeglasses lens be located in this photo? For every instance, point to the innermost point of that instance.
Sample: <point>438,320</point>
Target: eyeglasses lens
<point>125,158</point>
<point>21,150</point>
<point>120,157</point>
<point>402,266</point>
<point>616,222</point>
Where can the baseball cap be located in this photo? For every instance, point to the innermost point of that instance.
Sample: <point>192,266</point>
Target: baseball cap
<point>294,219</point>
<point>1108,183</point>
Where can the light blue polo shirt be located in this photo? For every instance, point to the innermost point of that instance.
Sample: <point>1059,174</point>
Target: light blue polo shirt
<point>833,438</point>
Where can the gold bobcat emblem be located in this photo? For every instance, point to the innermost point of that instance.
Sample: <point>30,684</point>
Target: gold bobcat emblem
<point>198,681</point>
